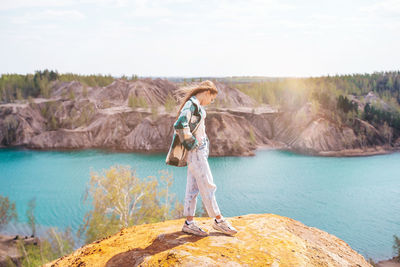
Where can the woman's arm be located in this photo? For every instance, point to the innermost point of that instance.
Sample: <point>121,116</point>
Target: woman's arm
<point>182,126</point>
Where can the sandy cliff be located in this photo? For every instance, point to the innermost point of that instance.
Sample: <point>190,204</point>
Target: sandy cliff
<point>262,240</point>
<point>79,117</point>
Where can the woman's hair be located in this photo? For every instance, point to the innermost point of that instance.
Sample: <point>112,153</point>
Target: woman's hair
<point>191,90</point>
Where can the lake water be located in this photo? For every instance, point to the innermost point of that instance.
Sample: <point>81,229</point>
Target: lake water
<point>356,199</point>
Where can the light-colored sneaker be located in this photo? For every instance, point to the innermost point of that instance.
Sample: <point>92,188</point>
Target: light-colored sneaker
<point>193,229</point>
<point>224,227</point>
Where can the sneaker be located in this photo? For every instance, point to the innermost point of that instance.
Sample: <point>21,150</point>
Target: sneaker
<point>193,229</point>
<point>224,227</point>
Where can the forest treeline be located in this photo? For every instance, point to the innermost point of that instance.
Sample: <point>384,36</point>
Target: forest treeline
<point>340,98</point>
<point>385,84</point>
<point>19,86</point>
<point>271,91</point>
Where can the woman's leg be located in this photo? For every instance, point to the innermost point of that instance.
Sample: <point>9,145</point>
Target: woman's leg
<point>208,151</point>
<point>190,196</point>
<point>200,170</point>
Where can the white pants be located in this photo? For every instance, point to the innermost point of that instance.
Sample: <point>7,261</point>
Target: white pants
<point>200,179</point>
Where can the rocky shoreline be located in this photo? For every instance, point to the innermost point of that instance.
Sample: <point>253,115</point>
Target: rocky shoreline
<point>371,151</point>
<point>9,253</point>
<point>393,262</point>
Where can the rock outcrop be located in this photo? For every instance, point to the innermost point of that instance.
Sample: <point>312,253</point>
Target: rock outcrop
<point>262,240</point>
<point>80,117</point>
<point>308,133</point>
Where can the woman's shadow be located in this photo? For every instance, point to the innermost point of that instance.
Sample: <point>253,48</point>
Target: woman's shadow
<point>161,243</point>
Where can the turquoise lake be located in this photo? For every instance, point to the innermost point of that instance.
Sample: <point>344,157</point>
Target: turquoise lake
<point>356,199</point>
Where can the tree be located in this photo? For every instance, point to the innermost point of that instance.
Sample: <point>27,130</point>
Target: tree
<point>11,125</point>
<point>387,132</point>
<point>7,211</point>
<point>270,97</point>
<point>54,244</point>
<point>167,181</point>
<point>19,94</point>
<point>396,247</point>
<point>121,199</point>
<point>30,214</point>
<point>62,243</point>
<point>367,112</point>
<point>44,87</point>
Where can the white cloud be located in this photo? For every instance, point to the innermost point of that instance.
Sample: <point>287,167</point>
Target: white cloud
<point>48,14</point>
<point>251,9</point>
<point>111,29</point>
<point>383,8</point>
<point>14,4</point>
<point>107,3</point>
<point>220,36</point>
<point>17,4</point>
<point>145,11</point>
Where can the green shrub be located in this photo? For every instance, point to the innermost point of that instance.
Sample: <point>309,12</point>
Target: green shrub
<point>396,247</point>
<point>71,95</point>
<point>53,245</point>
<point>53,123</point>
<point>131,101</point>
<point>19,94</point>
<point>170,103</point>
<point>154,112</point>
<point>371,261</point>
<point>8,212</point>
<point>136,102</point>
<point>252,136</point>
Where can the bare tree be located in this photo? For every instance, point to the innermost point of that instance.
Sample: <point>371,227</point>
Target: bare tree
<point>387,132</point>
<point>7,211</point>
<point>30,214</point>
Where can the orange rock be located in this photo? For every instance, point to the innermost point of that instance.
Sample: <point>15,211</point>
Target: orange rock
<point>262,240</point>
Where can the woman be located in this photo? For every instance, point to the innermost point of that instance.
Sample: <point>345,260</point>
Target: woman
<point>190,146</point>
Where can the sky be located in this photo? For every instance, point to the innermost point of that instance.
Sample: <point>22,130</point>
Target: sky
<point>200,38</point>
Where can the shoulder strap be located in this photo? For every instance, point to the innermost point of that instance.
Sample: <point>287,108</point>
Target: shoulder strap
<point>196,111</point>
